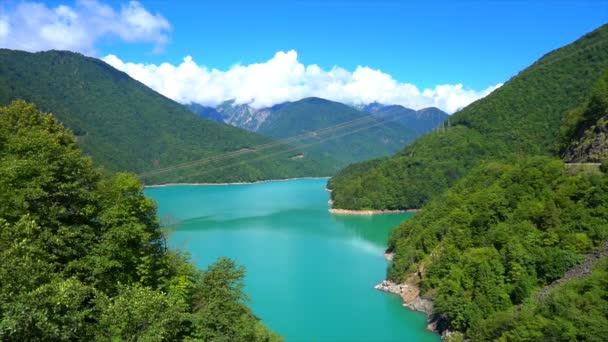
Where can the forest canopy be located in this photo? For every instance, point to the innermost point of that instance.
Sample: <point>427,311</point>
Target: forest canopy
<point>499,235</point>
<point>83,254</point>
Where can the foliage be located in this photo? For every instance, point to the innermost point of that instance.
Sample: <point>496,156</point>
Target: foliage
<point>504,230</point>
<point>430,160</point>
<point>574,311</point>
<point>584,133</point>
<point>371,137</point>
<point>125,126</point>
<point>521,117</point>
<point>83,257</point>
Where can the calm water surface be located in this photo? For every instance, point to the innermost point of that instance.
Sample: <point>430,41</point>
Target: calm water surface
<point>310,274</point>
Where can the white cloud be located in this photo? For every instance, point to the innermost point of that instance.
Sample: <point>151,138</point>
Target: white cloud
<point>284,78</point>
<point>34,26</point>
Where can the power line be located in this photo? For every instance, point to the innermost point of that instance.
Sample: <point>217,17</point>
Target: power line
<point>316,133</point>
<point>262,147</point>
<point>296,147</point>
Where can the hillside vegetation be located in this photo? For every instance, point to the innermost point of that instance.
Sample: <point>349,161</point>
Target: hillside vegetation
<point>498,236</point>
<point>499,252</point>
<point>83,256</point>
<point>585,130</point>
<point>524,116</point>
<point>367,138</point>
<point>575,311</point>
<point>124,125</point>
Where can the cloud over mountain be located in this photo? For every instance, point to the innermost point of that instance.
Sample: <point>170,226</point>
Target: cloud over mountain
<point>284,78</point>
<point>34,26</point>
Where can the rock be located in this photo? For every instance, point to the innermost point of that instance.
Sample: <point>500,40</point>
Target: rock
<point>591,146</point>
<point>410,295</point>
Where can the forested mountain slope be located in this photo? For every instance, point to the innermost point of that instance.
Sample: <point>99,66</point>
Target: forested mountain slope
<point>366,137</point>
<point>83,256</point>
<point>522,117</point>
<point>124,125</point>
<point>500,235</point>
<point>510,251</point>
<point>585,131</point>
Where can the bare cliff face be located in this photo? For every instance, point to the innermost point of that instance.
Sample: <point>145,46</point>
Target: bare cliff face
<point>243,115</point>
<point>592,147</point>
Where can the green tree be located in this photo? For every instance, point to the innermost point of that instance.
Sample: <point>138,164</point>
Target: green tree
<point>83,256</point>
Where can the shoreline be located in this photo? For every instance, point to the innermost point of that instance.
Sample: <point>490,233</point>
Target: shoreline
<point>337,211</point>
<point>235,183</point>
<point>409,292</point>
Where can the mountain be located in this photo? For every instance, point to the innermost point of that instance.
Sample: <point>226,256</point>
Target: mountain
<point>243,115</point>
<point>124,125</point>
<point>421,121</point>
<point>339,148</point>
<point>238,115</point>
<point>206,112</point>
<point>510,231</point>
<point>522,117</point>
<point>517,249</point>
<point>359,136</point>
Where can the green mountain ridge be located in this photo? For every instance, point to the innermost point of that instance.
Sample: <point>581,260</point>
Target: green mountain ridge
<point>516,249</point>
<point>362,137</point>
<point>125,126</point>
<point>394,127</point>
<point>523,116</point>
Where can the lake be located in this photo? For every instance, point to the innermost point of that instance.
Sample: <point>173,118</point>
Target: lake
<point>310,274</point>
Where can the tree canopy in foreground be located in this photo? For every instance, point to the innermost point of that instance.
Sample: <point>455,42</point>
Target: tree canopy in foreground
<point>83,256</point>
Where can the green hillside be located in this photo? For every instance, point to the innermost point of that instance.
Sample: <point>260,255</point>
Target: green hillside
<point>498,236</point>
<point>124,125</point>
<point>522,117</point>
<point>367,138</point>
<point>576,310</point>
<point>516,249</point>
<point>84,258</point>
<point>585,130</point>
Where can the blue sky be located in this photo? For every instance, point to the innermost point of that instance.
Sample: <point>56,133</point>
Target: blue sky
<point>477,44</point>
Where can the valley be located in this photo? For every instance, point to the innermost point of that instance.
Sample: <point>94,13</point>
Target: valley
<point>414,180</point>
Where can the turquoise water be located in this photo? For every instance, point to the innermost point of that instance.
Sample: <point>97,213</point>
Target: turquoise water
<point>310,274</point>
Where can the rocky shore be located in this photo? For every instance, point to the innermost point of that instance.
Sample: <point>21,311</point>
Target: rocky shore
<point>410,295</point>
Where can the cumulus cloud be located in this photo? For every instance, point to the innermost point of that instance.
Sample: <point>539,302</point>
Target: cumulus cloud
<point>284,78</point>
<point>34,26</point>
